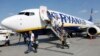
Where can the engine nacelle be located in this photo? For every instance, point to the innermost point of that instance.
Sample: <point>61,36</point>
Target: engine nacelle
<point>92,31</point>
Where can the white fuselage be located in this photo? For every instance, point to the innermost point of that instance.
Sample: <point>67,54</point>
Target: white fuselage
<point>30,20</point>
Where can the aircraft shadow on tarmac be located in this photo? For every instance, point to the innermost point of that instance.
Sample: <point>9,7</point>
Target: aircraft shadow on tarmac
<point>57,45</point>
<point>49,41</point>
<point>57,51</point>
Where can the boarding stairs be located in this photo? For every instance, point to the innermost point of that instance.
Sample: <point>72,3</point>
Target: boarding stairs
<point>59,32</point>
<point>45,16</point>
<point>56,32</point>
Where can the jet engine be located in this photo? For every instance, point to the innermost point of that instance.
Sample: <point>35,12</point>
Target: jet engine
<point>92,31</point>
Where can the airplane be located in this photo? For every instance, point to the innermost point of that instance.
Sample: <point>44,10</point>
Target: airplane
<point>37,20</point>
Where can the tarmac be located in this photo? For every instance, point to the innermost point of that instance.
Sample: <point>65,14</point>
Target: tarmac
<point>48,47</point>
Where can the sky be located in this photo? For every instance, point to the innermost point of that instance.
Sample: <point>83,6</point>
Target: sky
<point>79,8</point>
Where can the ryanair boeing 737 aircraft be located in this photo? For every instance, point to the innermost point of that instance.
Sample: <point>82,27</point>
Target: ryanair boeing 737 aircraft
<point>35,20</point>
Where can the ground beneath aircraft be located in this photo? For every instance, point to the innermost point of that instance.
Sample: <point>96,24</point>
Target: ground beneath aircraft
<point>78,47</point>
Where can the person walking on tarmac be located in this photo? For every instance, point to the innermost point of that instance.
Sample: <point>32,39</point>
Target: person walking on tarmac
<point>25,36</point>
<point>35,44</point>
<point>7,41</point>
<point>31,42</point>
<point>64,37</point>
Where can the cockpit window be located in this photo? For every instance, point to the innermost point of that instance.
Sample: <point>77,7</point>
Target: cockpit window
<point>27,13</point>
<point>31,13</point>
<point>21,13</point>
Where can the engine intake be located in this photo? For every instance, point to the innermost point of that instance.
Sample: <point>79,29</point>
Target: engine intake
<point>92,31</point>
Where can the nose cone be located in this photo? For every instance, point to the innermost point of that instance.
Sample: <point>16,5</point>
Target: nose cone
<point>10,22</point>
<point>6,22</point>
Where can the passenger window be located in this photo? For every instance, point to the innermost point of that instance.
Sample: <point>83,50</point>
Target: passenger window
<point>26,13</point>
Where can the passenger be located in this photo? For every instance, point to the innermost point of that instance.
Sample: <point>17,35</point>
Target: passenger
<point>30,42</point>
<point>25,35</point>
<point>64,37</point>
<point>7,41</point>
<point>56,23</point>
<point>35,43</point>
<point>65,41</point>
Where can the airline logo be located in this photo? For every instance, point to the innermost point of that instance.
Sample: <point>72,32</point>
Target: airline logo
<point>67,18</point>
